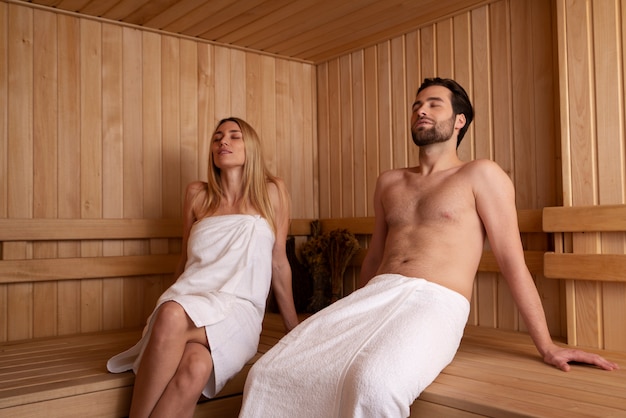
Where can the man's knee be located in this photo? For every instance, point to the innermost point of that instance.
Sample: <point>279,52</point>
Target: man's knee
<point>372,391</point>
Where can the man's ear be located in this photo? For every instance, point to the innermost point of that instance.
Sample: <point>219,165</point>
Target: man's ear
<point>460,121</point>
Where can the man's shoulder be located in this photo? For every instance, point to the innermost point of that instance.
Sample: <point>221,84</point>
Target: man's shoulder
<point>482,166</point>
<point>393,173</point>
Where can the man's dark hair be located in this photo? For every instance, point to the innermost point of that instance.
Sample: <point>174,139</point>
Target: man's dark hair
<point>459,98</point>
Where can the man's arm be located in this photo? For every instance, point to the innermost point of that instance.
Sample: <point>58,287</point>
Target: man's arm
<point>376,247</point>
<point>495,203</point>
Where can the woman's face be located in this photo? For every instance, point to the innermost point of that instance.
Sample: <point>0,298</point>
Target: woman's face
<point>227,146</point>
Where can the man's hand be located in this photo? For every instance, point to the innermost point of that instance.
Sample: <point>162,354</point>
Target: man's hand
<point>561,357</point>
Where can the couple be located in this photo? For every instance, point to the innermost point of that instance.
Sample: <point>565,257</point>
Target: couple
<point>351,358</point>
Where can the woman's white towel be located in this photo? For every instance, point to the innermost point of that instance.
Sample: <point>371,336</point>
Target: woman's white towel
<point>223,289</point>
<point>368,355</point>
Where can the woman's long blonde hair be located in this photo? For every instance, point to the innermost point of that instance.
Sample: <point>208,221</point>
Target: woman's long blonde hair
<point>255,177</point>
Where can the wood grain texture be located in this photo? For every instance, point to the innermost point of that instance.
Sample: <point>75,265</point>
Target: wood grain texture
<point>591,66</point>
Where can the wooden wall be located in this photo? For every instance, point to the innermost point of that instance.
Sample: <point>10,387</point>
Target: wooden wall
<point>591,50</point>
<point>100,120</point>
<point>502,53</point>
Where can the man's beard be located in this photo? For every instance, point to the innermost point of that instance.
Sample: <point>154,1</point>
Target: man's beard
<point>439,132</point>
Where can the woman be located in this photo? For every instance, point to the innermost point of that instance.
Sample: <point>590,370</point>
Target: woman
<point>206,326</point>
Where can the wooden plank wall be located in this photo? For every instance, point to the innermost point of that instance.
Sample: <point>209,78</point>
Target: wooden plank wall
<point>100,120</point>
<point>502,53</point>
<point>591,39</point>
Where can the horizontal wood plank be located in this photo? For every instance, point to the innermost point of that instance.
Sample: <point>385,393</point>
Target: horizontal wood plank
<point>357,225</point>
<point>534,262</point>
<point>88,229</point>
<point>300,227</point>
<point>37,270</point>
<point>38,229</point>
<point>600,267</point>
<point>604,218</point>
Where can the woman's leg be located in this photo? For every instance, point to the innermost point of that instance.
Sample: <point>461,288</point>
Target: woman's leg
<point>182,393</point>
<point>171,331</point>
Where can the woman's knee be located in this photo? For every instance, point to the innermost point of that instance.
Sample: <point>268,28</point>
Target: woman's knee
<point>171,320</point>
<point>194,369</point>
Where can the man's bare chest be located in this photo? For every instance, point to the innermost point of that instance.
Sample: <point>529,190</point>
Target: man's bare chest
<point>435,201</point>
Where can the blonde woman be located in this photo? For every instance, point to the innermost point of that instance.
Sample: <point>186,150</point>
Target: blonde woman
<point>206,326</point>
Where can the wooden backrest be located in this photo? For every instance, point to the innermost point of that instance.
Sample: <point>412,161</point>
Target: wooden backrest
<point>571,223</point>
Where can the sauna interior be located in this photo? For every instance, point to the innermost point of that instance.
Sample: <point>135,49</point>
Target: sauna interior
<point>106,107</point>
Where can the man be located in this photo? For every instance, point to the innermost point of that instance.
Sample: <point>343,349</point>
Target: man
<point>373,352</point>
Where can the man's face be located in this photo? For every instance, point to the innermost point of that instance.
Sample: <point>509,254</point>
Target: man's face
<point>432,120</point>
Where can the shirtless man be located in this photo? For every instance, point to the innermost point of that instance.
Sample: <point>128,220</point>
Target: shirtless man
<point>373,352</point>
<point>431,220</point>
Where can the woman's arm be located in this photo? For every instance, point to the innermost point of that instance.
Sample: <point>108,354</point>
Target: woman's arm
<point>281,270</point>
<point>189,218</point>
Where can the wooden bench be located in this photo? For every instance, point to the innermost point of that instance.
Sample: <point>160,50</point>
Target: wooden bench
<point>495,373</point>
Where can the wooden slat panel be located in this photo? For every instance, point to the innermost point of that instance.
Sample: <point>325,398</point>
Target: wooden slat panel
<point>534,262</point>
<point>300,227</point>
<point>35,270</point>
<point>530,220</point>
<point>86,229</point>
<point>585,218</point>
<point>597,267</point>
<point>362,225</point>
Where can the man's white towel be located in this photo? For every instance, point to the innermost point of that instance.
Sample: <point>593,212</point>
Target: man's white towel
<point>223,289</point>
<point>368,355</point>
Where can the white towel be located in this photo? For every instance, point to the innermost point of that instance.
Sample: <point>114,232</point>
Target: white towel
<point>223,289</point>
<point>368,355</point>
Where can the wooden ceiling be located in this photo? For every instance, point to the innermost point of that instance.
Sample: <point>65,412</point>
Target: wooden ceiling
<point>311,30</point>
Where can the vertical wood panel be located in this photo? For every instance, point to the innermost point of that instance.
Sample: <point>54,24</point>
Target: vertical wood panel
<point>170,123</point>
<point>283,123</point>
<point>4,109</point>
<point>344,150</point>
<point>188,114</point>
<point>69,161</point>
<point>371,124</point>
<point>91,162</point>
<point>413,80</point>
<point>4,79</point>
<point>112,163</point>
<point>482,144</point>
<point>400,137</point>
<point>45,160</point>
<point>151,145</point>
<point>361,196</point>
<point>20,160</point>
<point>385,139</point>
<point>206,106</point>
<point>462,42</point>
<point>323,139</point>
<point>334,146</point>
<point>299,177</point>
